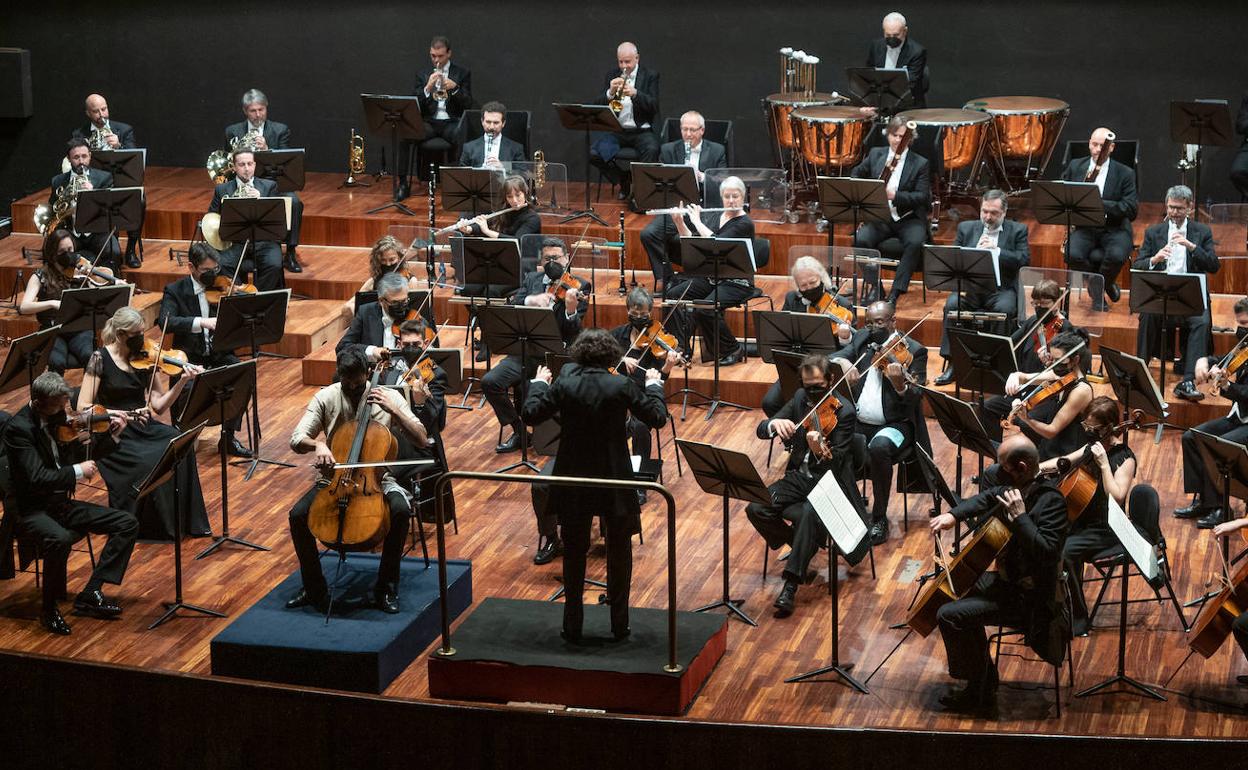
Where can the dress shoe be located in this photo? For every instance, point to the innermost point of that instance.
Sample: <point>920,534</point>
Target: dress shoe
<point>510,445</point>
<point>132,258</point>
<point>305,599</point>
<point>1211,519</point>
<point>1193,511</point>
<point>483,354</point>
<point>787,600</point>
<point>54,622</point>
<point>402,191</point>
<point>96,605</point>
<point>965,701</point>
<point>1187,391</point>
<point>1113,292</point>
<point>233,447</point>
<point>1100,305</point>
<point>387,601</point>
<point>893,298</point>
<point>945,377</point>
<point>548,550</point>
<point>734,357</point>
<point>620,634</point>
<point>291,262</point>
<point>878,532</point>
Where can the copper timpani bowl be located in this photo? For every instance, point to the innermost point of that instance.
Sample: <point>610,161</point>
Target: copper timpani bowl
<point>963,133</point>
<point>830,138</point>
<point>781,106</point>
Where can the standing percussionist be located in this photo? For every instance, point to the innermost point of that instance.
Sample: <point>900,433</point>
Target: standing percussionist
<point>265,255</point>
<point>659,238</point>
<point>594,404</point>
<point>333,407</point>
<point>1021,592</point>
<point>444,92</point>
<point>1104,249</point>
<point>102,133</point>
<point>1007,240</point>
<point>635,91</point>
<point>80,177</point>
<point>909,189</point>
<point>263,134</point>
<point>896,49</point>
<point>1178,245</point>
<point>491,149</point>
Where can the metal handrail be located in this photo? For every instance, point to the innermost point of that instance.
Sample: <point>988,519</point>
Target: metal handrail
<point>439,488</point>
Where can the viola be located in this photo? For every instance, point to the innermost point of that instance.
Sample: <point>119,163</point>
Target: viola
<point>1230,366</point>
<point>1041,394</point>
<point>895,351</point>
<point>559,289</point>
<point>85,270</point>
<point>1046,331</point>
<point>658,342</point>
<point>826,305</point>
<point>822,420</point>
<point>167,360</point>
<point>424,369</point>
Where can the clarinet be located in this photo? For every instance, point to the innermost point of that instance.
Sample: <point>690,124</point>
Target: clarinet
<point>623,286</point>
<point>432,226</point>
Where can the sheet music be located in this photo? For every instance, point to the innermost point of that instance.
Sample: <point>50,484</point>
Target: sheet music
<point>749,246</point>
<point>1139,549</point>
<point>837,513</point>
<point>1204,286</point>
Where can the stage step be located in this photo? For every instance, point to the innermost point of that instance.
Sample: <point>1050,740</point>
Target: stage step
<point>14,325</point>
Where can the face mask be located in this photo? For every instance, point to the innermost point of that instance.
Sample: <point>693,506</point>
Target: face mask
<point>67,259</point>
<point>396,309</point>
<point>411,353</point>
<point>879,335</point>
<point>639,323</point>
<point>815,393</point>
<point>893,42</point>
<point>1061,370</point>
<point>553,270</point>
<point>208,277</point>
<point>1093,434</point>
<point>812,295</point>
<point>135,344</point>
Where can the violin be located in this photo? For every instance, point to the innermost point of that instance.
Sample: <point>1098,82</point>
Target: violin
<point>826,305</point>
<point>895,351</point>
<point>412,314</point>
<point>424,369</point>
<point>85,270</point>
<point>171,362</point>
<point>94,419</point>
<point>656,341</point>
<point>1041,394</point>
<point>559,289</point>
<point>822,420</point>
<point>349,511</point>
<point>1046,331</point>
<point>1230,365</point>
<point>222,286</point>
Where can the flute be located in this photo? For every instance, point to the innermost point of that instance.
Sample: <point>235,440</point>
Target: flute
<point>683,210</point>
<point>488,217</point>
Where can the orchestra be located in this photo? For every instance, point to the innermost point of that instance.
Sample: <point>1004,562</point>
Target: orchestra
<point>858,411</point>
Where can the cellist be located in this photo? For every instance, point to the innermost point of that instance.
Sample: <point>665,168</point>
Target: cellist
<point>1239,626</point>
<point>332,406</point>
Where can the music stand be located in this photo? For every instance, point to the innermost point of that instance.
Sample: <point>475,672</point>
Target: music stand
<point>83,309</point>
<point>1134,387</point>
<point>793,332</point>
<point>981,362</point>
<point>717,259</point>
<point>587,118</point>
<point>252,320</point>
<point>488,262</point>
<point>401,115</point>
<point>470,189</point>
<point>254,219</point>
<point>788,372</point>
<point>847,199</point>
<point>219,396</point>
<point>1204,123</point>
<point>1180,295</point>
<point>27,355</point>
<point>523,331</point>
<point>126,166</point>
<point>1228,461</point>
<point>1070,204</point>
<point>731,475</point>
<point>282,166</point>
<point>961,425</point>
<point>885,89</point>
<point>662,186</point>
<point>180,447</point>
<point>109,211</point>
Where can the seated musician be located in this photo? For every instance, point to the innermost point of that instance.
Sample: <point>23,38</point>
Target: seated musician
<point>1113,465</point>
<point>257,132</point>
<point>1206,491</point>
<point>909,191</point>
<point>374,328</point>
<point>491,149</point>
<point>82,176</point>
<point>332,408</point>
<point>1105,249</point>
<point>637,91</point>
<point>789,519</point>
<point>192,320</point>
<point>728,292</point>
<point>103,133</point>
<point>42,299</point>
<point>659,237</point>
<point>43,475</point>
<point>888,408</point>
<point>1178,245</point>
<point>1021,591</point>
<point>1239,626</point>
<point>1052,423</point>
<point>1007,240</point>
<point>444,92</point>
<point>811,283</point>
<point>539,288</point>
<point>265,255</point>
<point>427,399</point>
<point>386,256</point>
<point>640,306</point>
<point>1046,322</point>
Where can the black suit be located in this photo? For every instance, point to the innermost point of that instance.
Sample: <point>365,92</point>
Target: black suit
<point>368,327</point>
<point>912,57</point>
<point>124,132</point>
<point>1239,166</point>
<point>659,237</point>
<point>594,405</point>
<point>432,415</point>
<point>277,137</point>
<point>46,513</point>
<point>1012,241</point>
<point>1114,240</point>
<point>180,308</point>
<point>473,153</point>
<point>913,202</point>
<point>1232,427</point>
<point>1201,260</point>
<point>447,129</point>
<point>641,137</point>
<point>1021,594</point>
<point>773,400</point>
<point>91,243</point>
<point>728,293</point>
<point>265,255</point>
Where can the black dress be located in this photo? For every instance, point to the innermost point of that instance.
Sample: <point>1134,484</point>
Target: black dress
<point>140,448</point>
<point>72,349</point>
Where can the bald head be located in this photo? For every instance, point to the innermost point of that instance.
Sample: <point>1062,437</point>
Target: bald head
<point>626,56</point>
<point>1019,459</point>
<point>96,109</point>
<point>880,310</point>
<point>1099,138</point>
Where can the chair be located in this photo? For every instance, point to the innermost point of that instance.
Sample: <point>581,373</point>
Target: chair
<point>1143,508</point>
<point>517,128</point>
<point>890,248</point>
<point>1015,635</point>
<point>622,160</point>
<point>719,131</point>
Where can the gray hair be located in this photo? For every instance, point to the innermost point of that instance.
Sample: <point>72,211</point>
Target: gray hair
<point>639,296</point>
<point>813,265</point>
<point>1180,192</point>
<point>47,386</point>
<point>627,48</point>
<point>697,115</point>
<point>895,16</point>
<point>391,283</point>
<point>997,195</point>
<point>732,181</point>
<point>254,95</point>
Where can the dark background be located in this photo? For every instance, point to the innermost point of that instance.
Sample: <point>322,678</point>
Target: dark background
<point>176,71</point>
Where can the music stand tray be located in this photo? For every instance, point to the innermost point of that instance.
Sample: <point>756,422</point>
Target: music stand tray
<point>1133,383</point>
<point>27,355</point>
<point>255,219</point>
<point>730,475</point>
<point>491,261</point>
<point>788,372</point>
<point>282,166</point>
<point>661,186</point>
<point>1178,295</point>
<point>109,210</point>
<point>960,423</point>
<point>80,308</point>
<point>126,166</point>
<point>401,115</point>
<point>848,199</point>
<point>799,333</point>
<point>981,362</point>
<point>1203,122</point>
<point>475,190</point>
<point>886,89</point>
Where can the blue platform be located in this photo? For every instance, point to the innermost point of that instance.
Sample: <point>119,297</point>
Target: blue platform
<point>362,649</point>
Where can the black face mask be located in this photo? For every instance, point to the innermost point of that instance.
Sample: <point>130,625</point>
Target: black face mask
<point>639,323</point>
<point>879,335</point>
<point>411,353</point>
<point>1096,434</point>
<point>396,310</point>
<point>135,344</point>
<point>812,295</point>
<point>553,270</point>
<point>815,393</point>
<point>208,277</point>
<point>1240,333</point>
<point>1061,370</point>
<point>893,42</point>
<point>67,259</point>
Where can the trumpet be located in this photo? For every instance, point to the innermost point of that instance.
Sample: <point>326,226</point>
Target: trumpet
<point>617,95</point>
<point>439,90</point>
<point>684,210</point>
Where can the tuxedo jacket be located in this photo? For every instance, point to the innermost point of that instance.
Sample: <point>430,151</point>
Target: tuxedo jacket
<point>276,135</point>
<point>795,303</point>
<point>535,283</point>
<point>179,307</point>
<point>37,481</point>
<point>840,442</point>
<point>645,103</point>
<point>1012,241</point>
<point>100,180</point>
<point>713,154</point>
<point>1119,198</point>
<point>124,132</point>
<point>456,101</point>
<point>914,189</point>
<point>1202,259</point>
<point>227,189</point>
<point>473,153</point>
<point>366,329</point>
<point>898,407</point>
<point>912,56</point>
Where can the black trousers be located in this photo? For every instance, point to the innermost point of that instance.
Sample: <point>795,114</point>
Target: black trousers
<point>1195,479</point>
<point>660,239</point>
<point>55,530</point>
<point>497,383</point>
<point>1239,170</point>
<point>605,146</point>
<point>576,530</point>
<point>1081,545</point>
<point>962,625</point>
<point>547,519</point>
<point>710,325</point>
<point>790,520</point>
<point>1199,339</point>
<point>882,455</point>
<point>1115,246</point>
<point>296,219</point>
<point>210,362</point>
<point>1003,300</point>
<point>265,256</point>
<point>110,255</point>
<point>71,351</point>
<point>447,130</point>
<point>911,230</point>
<point>309,556</point>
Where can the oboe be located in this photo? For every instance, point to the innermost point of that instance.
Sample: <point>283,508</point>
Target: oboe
<point>623,287</point>
<point>432,227</point>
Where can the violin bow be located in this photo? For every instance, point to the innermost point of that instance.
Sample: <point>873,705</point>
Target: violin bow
<point>1052,366</point>
<point>662,324</point>
<point>1042,318</point>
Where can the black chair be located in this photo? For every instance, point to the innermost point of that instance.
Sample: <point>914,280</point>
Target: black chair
<point>1015,637</point>
<point>719,131</point>
<point>517,128</point>
<point>623,159</point>
<point>890,248</point>
<point>1126,152</point>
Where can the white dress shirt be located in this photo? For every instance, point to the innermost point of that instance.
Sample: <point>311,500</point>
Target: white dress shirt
<point>492,144</point>
<point>894,180</point>
<point>626,111</point>
<point>1177,261</point>
<point>197,324</point>
<point>891,55</point>
<point>994,240</point>
<point>694,158</point>
<point>871,400</point>
<point>440,112</point>
<point>1099,181</point>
